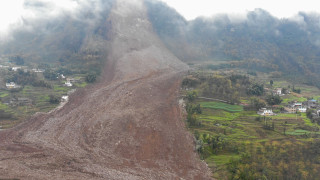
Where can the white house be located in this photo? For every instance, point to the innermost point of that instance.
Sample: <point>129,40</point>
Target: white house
<point>16,68</point>
<point>302,109</point>
<point>11,85</point>
<point>278,91</point>
<point>265,112</point>
<point>68,84</point>
<point>38,70</point>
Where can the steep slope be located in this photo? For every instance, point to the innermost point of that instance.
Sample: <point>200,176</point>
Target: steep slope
<point>128,126</point>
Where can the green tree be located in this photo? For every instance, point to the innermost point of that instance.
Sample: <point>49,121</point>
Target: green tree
<point>309,113</point>
<point>256,89</point>
<point>257,104</point>
<point>192,95</point>
<point>54,99</point>
<point>273,99</point>
<point>50,75</point>
<point>90,78</point>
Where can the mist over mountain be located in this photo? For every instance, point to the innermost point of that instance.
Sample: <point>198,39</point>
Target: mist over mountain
<point>53,34</point>
<point>258,40</point>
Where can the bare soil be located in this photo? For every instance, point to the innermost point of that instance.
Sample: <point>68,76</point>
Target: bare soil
<point>127,126</point>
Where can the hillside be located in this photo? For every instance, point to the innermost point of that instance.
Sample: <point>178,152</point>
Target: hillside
<point>127,126</point>
<point>267,43</point>
<point>67,37</point>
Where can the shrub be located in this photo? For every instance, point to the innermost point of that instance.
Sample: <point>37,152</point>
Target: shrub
<point>90,78</point>
<point>54,99</point>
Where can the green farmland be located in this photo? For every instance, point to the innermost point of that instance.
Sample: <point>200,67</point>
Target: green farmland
<point>228,132</point>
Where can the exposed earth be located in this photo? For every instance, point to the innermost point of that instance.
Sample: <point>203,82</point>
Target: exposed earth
<point>127,126</point>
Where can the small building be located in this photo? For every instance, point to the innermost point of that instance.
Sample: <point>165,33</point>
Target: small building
<point>265,112</point>
<point>290,109</point>
<point>278,91</point>
<point>294,107</point>
<point>15,68</point>
<point>302,109</point>
<point>38,70</point>
<point>11,85</point>
<point>68,84</point>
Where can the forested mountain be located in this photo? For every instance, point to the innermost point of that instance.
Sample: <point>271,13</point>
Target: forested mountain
<point>291,46</point>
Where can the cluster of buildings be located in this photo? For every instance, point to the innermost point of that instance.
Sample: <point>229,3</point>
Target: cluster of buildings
<point>294,107</point>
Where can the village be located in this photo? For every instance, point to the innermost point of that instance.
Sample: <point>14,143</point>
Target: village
<point>27,89</point>
<point>292,106</point>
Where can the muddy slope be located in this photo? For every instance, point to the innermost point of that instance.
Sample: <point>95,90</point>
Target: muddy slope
<point>128,126</point>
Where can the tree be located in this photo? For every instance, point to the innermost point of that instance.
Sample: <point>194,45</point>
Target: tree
<point>284,127</point>
<point>90,78</point>
<point>309,113</point>
<point>54,99</point>
<point>284,90</point>
<point>273,99</point>
<point>50,75</point>
<point>191,95</point>
<point>257,104</point>
<point>255,89</point>
<point>192,109</point>
<point>296,90</point>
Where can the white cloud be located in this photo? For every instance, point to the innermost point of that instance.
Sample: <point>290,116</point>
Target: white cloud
<point>13,12</point>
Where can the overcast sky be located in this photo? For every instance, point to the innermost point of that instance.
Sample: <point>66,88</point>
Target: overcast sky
<point>11,11</point>
<point>190,9</point>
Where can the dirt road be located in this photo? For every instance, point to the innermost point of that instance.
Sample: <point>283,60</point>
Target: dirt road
<point>127,126</point>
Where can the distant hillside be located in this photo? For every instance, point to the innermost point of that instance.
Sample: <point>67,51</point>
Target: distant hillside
<point>70,36</point>
<point>288,45</point>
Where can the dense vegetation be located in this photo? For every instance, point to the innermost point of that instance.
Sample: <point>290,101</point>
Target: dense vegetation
<point>26,78</point>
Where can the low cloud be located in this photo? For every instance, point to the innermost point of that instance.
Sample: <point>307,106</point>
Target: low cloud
<point>35,13</point>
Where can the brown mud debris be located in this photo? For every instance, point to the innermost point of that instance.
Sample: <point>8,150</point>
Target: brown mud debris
<point>127,126</point>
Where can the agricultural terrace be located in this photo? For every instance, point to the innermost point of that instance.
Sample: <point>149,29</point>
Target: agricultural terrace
<point>237,143</point>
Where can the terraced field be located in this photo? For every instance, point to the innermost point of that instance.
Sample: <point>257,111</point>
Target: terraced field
<point>237,129</point>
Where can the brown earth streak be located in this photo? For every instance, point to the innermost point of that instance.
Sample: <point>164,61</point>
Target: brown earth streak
<point>127,126</point>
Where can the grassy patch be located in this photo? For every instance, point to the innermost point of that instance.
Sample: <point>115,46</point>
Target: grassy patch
<point>289,97</point>
<point>81,85</point>
<point>298,132</point>
<point>60,88</point>
<point>4,107</point>
<point>222,106</point>
<point>2,94</point>
<point>222,159</point>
